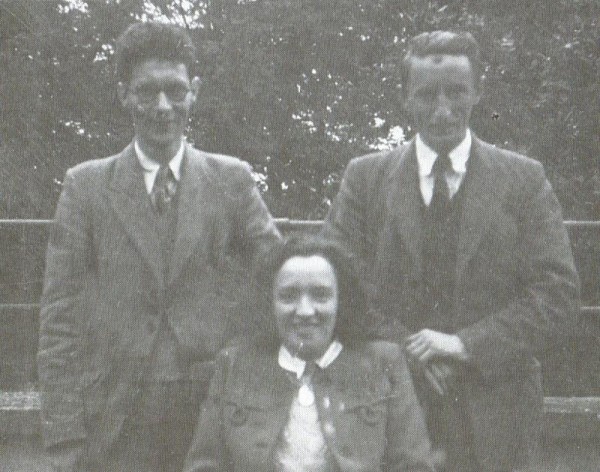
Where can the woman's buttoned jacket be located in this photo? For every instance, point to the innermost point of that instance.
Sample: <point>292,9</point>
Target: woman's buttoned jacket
<point>368,412</point>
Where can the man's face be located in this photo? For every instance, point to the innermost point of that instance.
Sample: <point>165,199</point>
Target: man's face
<point>305,303</point>
<point>440,97</point>
<point>159,96</point>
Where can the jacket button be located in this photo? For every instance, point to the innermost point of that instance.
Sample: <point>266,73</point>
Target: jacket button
<point>151,326</point>
<point>262,444</point>
<point>329,429</point>
<point>239,416</point>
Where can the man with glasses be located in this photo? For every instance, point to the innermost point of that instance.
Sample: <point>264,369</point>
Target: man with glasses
<point>144,264</point>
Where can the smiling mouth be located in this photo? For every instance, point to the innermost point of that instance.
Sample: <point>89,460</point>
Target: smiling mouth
<point>162,126</point>
<point>306,329</point>
<point>443,130</point>
<point>306,325</point>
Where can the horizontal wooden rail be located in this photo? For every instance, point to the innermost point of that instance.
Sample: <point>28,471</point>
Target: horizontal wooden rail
<point>564,417</point>
<point>288,222</point>
<point>591,312</point>
<point>585,406</point>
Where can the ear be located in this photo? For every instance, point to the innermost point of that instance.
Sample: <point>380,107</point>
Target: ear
<point>122,93</point>
<point>195,87</point>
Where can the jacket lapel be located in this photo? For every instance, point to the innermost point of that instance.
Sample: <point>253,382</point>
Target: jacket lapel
<point>404,201</point>
<point>481,191</point>
<point>195,197</point>
<point>131,204</point>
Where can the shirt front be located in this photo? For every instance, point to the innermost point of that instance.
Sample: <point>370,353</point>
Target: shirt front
<point>165,363</point>
<point>151,167</point>
<point>302,446</point>
<point>426,157</point>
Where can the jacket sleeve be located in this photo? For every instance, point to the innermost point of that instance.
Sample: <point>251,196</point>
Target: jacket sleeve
<point>349,221</point>
<point>257,230</point>
<point>346,221</point>
<point>547,305</point>
<point>67,266</point>
<point>408,448</point>
<point>207,451</point>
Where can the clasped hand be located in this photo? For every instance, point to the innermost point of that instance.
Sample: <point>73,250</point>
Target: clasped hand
<point>430,349</point>
<point>427,344</point>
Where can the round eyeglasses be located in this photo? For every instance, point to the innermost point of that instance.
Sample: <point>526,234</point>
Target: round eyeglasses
<point>148,94</point>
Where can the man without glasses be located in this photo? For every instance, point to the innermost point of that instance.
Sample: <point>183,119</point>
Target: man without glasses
<point>469,259</point>
<point>143,266</point>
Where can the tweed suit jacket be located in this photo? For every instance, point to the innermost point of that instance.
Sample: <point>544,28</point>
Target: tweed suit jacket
<point>105,290</point>
<point>516,286</point>
<point>367,407</point>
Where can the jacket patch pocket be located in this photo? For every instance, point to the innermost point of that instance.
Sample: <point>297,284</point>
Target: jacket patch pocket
<point>240,413</point>
<point>369,411</point>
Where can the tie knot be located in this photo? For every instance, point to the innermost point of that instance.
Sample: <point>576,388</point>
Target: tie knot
<point>309,369</point>
<point>163,177</point>
<point>164,188</point>
<point>442,165</point>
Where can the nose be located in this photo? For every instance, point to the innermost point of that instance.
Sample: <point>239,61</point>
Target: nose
<point>442,107</point>
<point>305,307</point>
<point>163,102</point>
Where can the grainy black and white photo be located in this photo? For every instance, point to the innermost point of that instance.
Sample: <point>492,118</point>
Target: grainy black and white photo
<point>299,235</point>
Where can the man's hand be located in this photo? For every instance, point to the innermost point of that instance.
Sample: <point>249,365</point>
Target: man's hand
<point>427,345</point>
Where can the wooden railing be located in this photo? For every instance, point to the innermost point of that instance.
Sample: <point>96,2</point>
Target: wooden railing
<point>572,371</point>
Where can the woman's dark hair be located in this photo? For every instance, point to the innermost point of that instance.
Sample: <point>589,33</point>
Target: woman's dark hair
<point>352,321</point>
<point>151,40</point>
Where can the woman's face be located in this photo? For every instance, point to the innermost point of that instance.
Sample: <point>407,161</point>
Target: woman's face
<point>305,302</point>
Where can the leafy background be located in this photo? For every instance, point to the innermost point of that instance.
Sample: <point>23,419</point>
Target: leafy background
<point>297,88</point>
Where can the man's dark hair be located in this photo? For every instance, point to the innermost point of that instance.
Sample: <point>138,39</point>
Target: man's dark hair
<point>143,41</point>
<point>443,43</point>
<point>353,323</point>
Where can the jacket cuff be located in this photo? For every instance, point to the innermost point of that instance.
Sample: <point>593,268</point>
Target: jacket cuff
<point>494,358</point>
<point>62,426</point>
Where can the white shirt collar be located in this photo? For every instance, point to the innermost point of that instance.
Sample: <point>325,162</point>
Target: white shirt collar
<point>296,365</point>
<point>151,167</point>
<point>458,156</point>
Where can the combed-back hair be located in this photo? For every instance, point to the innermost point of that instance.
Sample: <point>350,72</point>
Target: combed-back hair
<point>451,43</point>
<point>353,321</point>
<point>151,40</point>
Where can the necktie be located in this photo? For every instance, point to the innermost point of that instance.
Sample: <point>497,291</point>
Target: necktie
<point>441,193</point>
<point>163,190</point>
<point>438,265</point>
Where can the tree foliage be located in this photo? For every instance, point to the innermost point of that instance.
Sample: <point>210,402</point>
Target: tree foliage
<point>297,88</point>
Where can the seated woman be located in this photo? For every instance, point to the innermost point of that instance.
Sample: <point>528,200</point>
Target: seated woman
<point>311,392</point>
